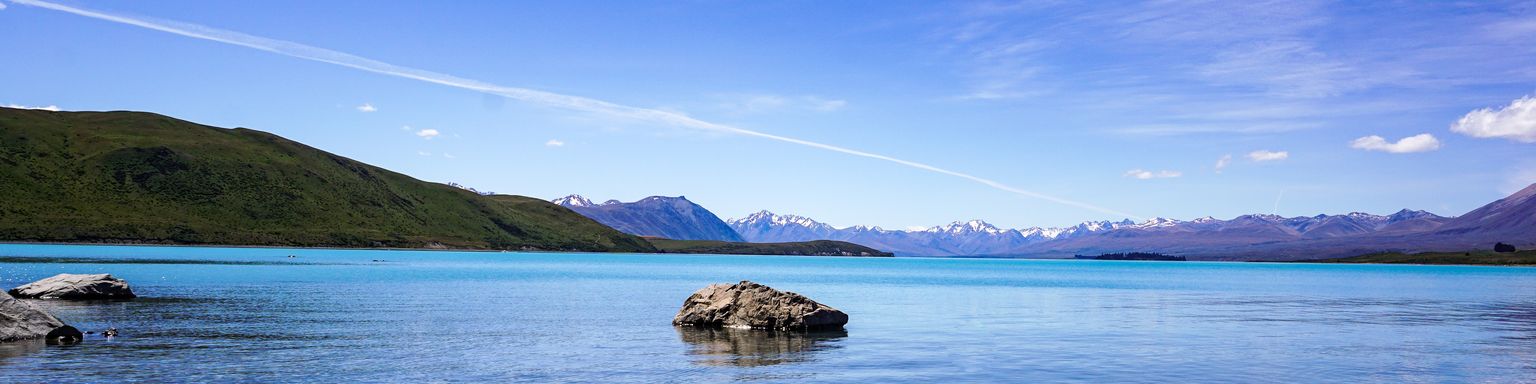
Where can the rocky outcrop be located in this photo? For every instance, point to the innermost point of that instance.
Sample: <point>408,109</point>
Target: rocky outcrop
<point>20,320</point>
<point>75,287</point>
<point>756,306</point>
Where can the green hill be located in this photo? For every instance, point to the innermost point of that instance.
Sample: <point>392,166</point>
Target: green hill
<point>145,178</point>
<point>800,248</point>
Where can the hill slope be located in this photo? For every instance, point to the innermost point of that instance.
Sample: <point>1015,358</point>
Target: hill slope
<point>659,216</point>
<point>142,177</point>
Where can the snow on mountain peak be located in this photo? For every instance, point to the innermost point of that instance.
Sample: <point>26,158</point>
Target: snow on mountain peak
<point>777,220</point>
<point>573,201</point>
<point>1157,222</point>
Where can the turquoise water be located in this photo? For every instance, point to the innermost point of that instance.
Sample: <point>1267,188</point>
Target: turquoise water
<point>253,314</point>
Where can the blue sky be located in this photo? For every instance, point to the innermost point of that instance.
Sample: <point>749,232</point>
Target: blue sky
<point>1172,109</point>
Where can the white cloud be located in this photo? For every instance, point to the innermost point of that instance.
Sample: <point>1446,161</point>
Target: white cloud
<point>760,103</point>
<point>554,143</point>
<point>50,107</point>
<point>1423,142</point>
<point>428,133</point>
<point>424,153</point>
<point>450,156</point>
<point>1223,162</point>
<point>2,5</point>
<point>1517,122</point>
<point>406,128</point>
<point>366,107</point>
<point>916,228</point>
<point>824,105</point>
<point>1266,155</point>
<point>1144,174</point>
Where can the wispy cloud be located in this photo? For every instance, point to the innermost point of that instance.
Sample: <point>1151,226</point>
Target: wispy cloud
<point>761,103</point>
<point>427,133</point>
<point>50,107</point>
<point>1145,175</point>
<point>1417,143</point>
<point>554,143</point>
<point>1521,175</point>
<point>366,107</point>
<point>424,153</point>
<point>825,105</point>
<point>1175,129</point>
<point>1251,68</point>
<point>1267,155</point>
<point>549,99</point>
<point>1516,121</point>
<point>1223,162</point>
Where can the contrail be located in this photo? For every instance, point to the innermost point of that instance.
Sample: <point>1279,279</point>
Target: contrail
<point>578,103</point>
<point>1276,211</point>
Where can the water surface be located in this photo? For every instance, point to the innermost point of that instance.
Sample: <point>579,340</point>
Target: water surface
<point>255,314</point>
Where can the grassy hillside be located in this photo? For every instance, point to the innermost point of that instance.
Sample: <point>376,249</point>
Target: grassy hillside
<point>1527,257</point>
<point>803,248</point>
<point>141,177</point>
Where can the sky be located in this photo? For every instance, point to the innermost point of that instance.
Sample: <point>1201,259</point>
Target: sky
<point>896,114</point>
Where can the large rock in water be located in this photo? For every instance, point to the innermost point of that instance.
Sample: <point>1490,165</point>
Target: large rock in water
<point>756,306</point>
<point>75,287</point>
<point>20,320</point>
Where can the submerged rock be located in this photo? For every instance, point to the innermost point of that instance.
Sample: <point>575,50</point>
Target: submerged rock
<point>20,320</point>
<point>64,335</point>
<point>75,287</point>
<point>756,306</point>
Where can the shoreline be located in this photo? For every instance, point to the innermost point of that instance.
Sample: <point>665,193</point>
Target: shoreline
<point>1311,261</point>
<point>445,249</point>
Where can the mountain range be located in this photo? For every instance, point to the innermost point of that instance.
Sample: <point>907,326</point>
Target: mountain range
<point>1247,237</point>
<point>137,177</point>
<point>146,178</point>
<point>656,216</point>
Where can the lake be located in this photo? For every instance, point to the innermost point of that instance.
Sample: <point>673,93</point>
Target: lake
<point>255,314</point>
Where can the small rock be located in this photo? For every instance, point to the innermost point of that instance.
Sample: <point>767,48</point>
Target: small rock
<point>64,335</point>
<point>756,306</point>
<point>20,320</point>
<point>75,287</point>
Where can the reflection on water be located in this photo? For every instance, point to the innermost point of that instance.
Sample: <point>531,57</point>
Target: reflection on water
<point>753,348</point>
<point>19,348</point>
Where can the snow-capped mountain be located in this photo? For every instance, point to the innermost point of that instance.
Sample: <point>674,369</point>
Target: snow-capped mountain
<point>1266,236</point>
<point>979,238</point>
<point>960,238</point>
<point>573,201</point>
<point>659,216</point>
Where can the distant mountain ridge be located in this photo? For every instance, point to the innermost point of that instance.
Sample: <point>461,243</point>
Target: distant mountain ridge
<point>656,216</point>
<point>1512,219</point>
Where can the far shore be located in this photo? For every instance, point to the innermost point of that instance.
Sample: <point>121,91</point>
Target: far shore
<point>1525,258</point>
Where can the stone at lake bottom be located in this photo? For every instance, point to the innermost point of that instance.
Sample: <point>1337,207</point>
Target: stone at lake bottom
<point>20,320</point>
<point>75,287</point>
<point>756,306</point>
